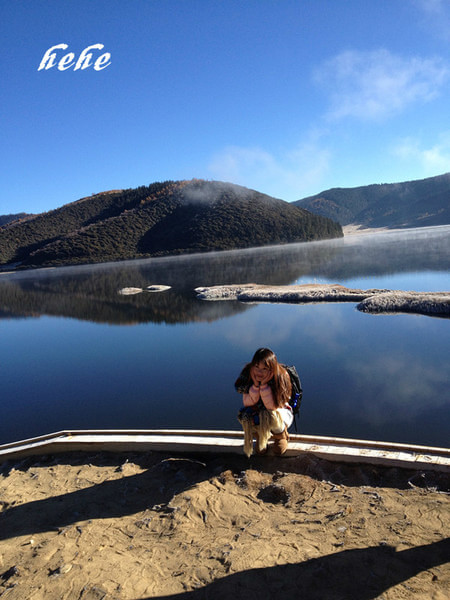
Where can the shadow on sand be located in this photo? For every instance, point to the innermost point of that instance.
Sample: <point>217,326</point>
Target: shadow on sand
<point>360,574</point>
<point>357,574</point>
<point>166,475</point>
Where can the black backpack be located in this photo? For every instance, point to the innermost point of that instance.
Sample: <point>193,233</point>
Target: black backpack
<point>297,391</point>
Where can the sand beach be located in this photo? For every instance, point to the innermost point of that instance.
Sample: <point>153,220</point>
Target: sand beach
<point>129,526</point>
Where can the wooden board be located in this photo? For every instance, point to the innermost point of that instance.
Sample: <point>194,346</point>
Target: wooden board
<point>330,448</point>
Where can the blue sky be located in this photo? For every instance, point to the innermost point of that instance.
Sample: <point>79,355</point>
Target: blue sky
<point>289,97</point>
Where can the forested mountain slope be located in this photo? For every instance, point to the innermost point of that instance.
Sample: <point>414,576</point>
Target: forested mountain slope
<point>5,219</point>
<point>163,218</point>
<point>418,203</point>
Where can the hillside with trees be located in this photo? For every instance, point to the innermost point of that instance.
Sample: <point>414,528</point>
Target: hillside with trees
<point>171,217</point>
<point>5,219</point>
<point>418,203</point>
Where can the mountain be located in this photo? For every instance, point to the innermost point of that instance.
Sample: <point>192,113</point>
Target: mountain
<point>170,217</point>
<point>394,205</point>
<point>5,219</point>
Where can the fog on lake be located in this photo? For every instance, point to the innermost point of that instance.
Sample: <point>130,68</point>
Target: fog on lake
<point>76,354</point>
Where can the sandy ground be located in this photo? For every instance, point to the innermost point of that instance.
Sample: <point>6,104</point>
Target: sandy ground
<point>136,526</point>
<point>359,229</point>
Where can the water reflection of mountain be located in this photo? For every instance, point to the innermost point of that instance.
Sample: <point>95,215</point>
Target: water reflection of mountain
<point>91,292</point>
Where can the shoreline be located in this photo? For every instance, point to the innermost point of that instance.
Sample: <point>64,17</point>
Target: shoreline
<point>355,229</point>
<point>348,231</point>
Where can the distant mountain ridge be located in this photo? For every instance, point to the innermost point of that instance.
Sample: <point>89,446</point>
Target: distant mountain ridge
<point>170,217</point>
<point>5,219</point>
<point>419,203</point>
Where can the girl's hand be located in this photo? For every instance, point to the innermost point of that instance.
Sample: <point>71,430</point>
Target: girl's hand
<point>266,378</point>
<point>260,375</point>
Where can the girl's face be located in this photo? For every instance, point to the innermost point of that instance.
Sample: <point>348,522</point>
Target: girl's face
<point>262,372</point>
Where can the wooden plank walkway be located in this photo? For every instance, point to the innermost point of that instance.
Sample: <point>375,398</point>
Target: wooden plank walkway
<point>330,448</point>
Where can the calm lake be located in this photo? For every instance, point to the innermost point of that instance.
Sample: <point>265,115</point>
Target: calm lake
<point>75,354</point>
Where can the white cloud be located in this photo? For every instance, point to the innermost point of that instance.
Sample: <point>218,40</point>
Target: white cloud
<point>400,384</point>
<point>437,16</point>
<point>433,7</point>
<point>374,85</point>
<point>431,160</point>
<point>290,175</point>
<point>258,329</point>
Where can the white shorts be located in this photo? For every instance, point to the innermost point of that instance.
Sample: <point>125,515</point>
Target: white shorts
<point>287,415</point>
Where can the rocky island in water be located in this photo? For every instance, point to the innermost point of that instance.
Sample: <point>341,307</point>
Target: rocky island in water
<point>372,300</point>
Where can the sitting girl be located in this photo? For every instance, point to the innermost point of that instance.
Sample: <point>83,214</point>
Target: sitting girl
<point>266,388</point>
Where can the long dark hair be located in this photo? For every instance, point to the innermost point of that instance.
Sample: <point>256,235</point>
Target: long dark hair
<point>280,382</point>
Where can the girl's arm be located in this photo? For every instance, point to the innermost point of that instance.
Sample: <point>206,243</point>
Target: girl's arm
<point>252,397</point>
<point>267,397</point>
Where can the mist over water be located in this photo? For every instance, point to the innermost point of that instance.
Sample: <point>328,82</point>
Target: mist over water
<point>76,354</point>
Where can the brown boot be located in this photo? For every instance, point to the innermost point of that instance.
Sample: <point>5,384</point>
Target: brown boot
<point>280,442</point>
<point>257,450</point>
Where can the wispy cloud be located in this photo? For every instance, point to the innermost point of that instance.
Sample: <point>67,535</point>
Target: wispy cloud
<point>375,85</point>
<point>437,17</point>
<point>433,7</point>
<point>369,86</point>
<point>430,160</point>
<point>401,389</point>
<point>288,175</point>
